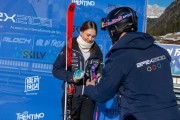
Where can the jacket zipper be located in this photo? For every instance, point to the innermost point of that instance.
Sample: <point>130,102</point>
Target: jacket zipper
<point>85,64</point>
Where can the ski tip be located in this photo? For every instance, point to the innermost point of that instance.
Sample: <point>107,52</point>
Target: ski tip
<point>72,6</point>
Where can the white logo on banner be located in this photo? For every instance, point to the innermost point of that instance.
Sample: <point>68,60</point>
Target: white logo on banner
<point>32,83</point>
<point>28,23</point>
<point>53,42</point>
<point>26,116</point>
<point>19,40</point>
<point>26,20</point>
<point>174,52</point>
<point>84,2</point>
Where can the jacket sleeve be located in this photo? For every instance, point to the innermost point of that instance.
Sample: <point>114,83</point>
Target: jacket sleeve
<point>59,67</point>
<point>109,83</point>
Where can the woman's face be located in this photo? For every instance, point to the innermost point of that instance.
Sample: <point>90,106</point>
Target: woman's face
<point>88,35</point>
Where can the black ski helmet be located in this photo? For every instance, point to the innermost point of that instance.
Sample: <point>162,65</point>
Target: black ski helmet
<point>122,19</point>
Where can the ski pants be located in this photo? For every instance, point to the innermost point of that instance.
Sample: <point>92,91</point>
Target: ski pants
<point>82,108</point>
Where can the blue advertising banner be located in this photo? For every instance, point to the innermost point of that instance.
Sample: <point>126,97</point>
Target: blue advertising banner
<point>174,51</point>
<point>32,33</point>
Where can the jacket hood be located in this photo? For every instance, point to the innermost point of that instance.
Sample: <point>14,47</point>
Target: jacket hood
<point>133,40</point>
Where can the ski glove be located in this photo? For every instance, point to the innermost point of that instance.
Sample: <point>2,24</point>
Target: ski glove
<point>78,75</point>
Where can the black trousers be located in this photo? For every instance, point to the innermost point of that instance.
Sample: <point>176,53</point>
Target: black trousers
<point>82,108</point>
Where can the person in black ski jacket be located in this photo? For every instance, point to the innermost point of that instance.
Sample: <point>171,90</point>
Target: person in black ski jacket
<point>138,65</point>
<point>85,53</point>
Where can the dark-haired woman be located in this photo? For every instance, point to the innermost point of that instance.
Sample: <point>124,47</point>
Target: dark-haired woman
<point>85,53</point>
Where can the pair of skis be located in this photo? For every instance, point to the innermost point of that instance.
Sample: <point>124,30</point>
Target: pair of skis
<point>69,87</point>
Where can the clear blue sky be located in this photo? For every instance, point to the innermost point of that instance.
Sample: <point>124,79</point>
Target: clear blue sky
<point>161,3</point>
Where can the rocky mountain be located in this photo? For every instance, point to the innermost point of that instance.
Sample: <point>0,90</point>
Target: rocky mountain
<point>168,22</point>
<point>154,11</point>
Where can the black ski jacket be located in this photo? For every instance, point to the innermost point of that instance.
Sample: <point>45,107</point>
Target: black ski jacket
<point>78,62</point>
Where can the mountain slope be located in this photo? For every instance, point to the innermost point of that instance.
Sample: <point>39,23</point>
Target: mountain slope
<point>168,22</point>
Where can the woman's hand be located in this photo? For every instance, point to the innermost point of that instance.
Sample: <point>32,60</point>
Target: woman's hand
<point>92,82</point>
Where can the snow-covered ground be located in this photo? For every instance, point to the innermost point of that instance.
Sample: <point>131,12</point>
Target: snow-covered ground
<point>171,36</point>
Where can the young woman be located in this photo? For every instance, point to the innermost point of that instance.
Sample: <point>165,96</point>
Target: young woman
<point>85,53</point>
